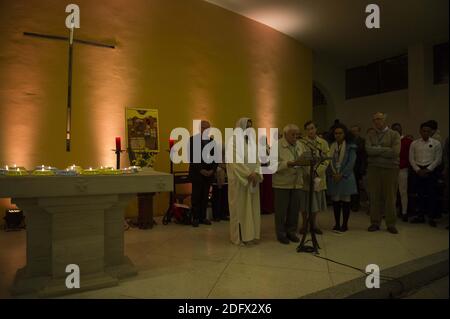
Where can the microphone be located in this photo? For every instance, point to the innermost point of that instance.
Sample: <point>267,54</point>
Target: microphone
<point>314,147</point>
<point>311,145</point>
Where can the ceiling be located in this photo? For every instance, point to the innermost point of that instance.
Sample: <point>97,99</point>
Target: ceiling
<point>336,28</point>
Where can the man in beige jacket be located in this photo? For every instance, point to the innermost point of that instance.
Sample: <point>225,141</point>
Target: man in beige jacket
<point>286,183</point>
<point>383,150</point>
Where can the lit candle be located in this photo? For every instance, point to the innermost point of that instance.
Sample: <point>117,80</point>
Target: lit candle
<point>7,168</point>
<point>171,143</point>
<point>118,144</point>
<point>14,165</point>
<point>90,168</point>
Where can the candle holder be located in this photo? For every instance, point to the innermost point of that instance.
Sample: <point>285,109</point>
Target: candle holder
<point>43,172</point>
<point>118,152</point>
<point>126,170</point>
<point>171,144</point>
<point>110,171</point>
<point>46,168</point>
<point>17,172</point>
<point>4,170</point>
<point>134,169</point>
<point>75,168</point>
<point>168,216</point>
<point>90,171</point>
<point>67,172</point>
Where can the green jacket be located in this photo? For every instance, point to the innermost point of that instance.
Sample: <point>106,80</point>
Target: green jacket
<point>383,149</point>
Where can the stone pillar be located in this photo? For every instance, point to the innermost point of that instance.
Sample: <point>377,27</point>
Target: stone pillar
<point>117,264</point>
<point>420,73</point>
<point>82,230</point>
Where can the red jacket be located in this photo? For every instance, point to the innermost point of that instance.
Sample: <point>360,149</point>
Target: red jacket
<point>404,152</point>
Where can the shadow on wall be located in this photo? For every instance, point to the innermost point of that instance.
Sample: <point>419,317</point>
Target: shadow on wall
<point>323,107</point>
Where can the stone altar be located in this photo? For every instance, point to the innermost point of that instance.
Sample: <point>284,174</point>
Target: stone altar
<point>76,220</point>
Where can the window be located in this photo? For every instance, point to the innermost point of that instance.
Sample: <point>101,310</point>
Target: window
<point>394,74</point>
<point>379,77</point>
<point>440,54</point>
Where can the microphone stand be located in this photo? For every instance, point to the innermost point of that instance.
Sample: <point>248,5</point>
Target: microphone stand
<point>314,163</point>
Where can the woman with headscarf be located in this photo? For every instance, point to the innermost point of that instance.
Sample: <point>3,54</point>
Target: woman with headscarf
<point>244,177</point>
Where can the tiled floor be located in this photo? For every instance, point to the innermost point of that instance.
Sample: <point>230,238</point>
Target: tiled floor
<point>177,261</point>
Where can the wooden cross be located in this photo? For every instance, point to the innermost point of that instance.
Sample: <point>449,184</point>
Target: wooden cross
<point>71,40</point>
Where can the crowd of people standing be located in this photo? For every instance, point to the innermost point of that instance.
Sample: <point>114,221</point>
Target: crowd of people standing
<point>386,168</point>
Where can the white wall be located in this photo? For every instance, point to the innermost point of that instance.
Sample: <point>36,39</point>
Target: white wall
<point>330,79</point>
<point>438,107</point>
<point>401,106</point>
<point>359,110</point>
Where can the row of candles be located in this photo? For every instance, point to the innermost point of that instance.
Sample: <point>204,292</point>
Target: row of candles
<point>73,170</point>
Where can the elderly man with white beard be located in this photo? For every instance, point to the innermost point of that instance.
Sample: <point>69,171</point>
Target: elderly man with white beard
<point>287,183</point>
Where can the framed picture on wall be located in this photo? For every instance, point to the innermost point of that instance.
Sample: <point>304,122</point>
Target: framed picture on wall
<point>142,129</point>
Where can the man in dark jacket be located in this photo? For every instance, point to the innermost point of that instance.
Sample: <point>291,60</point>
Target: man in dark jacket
<point>360,168</point>
<point>201,174</point>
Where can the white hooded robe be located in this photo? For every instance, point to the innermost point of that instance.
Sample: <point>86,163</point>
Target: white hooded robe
<point>243,198</point>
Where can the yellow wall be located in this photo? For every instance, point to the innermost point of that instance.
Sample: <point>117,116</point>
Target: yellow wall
<point>187,58</point>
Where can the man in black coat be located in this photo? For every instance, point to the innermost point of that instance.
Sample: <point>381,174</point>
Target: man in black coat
<point>201,174</point>
<point>360,168</point>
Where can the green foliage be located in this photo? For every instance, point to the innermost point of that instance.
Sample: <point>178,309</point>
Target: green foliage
<point>144,158</point>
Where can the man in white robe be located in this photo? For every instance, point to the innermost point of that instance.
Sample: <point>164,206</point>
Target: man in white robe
<point>243,191</point>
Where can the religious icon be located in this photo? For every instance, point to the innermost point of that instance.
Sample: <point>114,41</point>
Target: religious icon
<point>142,129</point>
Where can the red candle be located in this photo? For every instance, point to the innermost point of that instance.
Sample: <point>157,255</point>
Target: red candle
<point>171,143</point>
<point>118,144</point>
